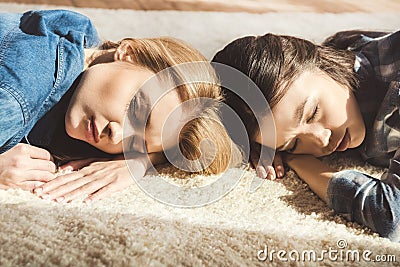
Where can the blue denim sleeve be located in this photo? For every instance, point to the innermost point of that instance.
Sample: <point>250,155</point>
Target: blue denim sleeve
<point>364,199</point>
<point>41,55</point>
<point>73,26</point>
<point>10,116</point>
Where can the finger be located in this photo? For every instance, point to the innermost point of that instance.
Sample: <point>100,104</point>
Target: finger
<point>253,161</point>
<point>87,189</point>
<point>39,176</point>
<point>268,169</point>
<point>251,164</point>
<point>266,172</point>
<point>42,165</point>
<point>108,190</point>
<point>58,181</point>
<point>39,153</point>
<point>278,164</point>
<point>77,164</point>
<point>102,193</point>
<point>30,185</point>
<point>254,155</point>
<point>74,189</point>
<point>261,172</point>
<point>271,175</point>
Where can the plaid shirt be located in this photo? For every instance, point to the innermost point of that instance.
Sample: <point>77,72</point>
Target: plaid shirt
<point>358,196</point>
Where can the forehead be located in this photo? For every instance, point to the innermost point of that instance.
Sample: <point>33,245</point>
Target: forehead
<point>295,94</point>
<point>163,120</point>
<point>128,73</point>
<point>306,86</point>
<point>157,98</point>
<point>309,84</point>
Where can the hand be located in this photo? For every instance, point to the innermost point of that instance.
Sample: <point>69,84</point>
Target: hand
<point>75,165</point>
<point>263,169</point>
<point>25,166</point>
<point>95,181</point>
<point>312,171</point>
<point>266,171</point>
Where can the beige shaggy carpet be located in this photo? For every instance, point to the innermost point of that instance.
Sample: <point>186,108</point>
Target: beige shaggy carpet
<point>132,229</point>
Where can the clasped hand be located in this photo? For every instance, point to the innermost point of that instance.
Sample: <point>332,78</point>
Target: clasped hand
<point>26,167</point>
<point>264,168</point>
<point>93,179</point>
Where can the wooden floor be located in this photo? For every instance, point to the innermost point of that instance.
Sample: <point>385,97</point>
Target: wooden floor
<point>252,6</point>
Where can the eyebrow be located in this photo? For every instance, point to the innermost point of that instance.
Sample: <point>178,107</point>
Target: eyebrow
<point>147,104</point>
<point>298,114</point>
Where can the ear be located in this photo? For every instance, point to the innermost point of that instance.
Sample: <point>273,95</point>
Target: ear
<point>124,51</point>
<point>102,57</point>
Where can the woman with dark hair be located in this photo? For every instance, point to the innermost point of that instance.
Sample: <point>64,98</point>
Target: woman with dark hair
<point>326,98</point>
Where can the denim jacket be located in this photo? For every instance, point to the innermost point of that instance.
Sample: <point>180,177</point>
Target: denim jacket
<point>41,55</point>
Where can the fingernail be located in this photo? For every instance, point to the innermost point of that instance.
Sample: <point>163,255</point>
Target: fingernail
<point>280,174</point>
<point>60,199</point>
<point>264,174</point>
<point>88,200</point>
<point>67,168</point>
<point>261,173</point>
<point>45,196</point>
<point>38,190</point>
<point>271,177</point>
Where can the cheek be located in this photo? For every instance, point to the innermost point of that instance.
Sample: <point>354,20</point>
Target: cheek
<point>113,111</point>
<point>283,133</point>
<point>112,105</point>
<point>72,123</point>
<point>354,110</point>
<point>336,112</point>
<point>357,126</point>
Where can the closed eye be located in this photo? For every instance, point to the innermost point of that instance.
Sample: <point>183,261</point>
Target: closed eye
<point>131,105</point>
<point>132,109</point>
<point>314,114</point>
<point>109,132</point>
<point>131,143</point>
<point>291,150</point>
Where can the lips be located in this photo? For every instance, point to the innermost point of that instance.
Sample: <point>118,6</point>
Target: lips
<point>92,134</point>
<point>344,144</point>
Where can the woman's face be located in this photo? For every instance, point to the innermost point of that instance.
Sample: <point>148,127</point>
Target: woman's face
<point>317,116</point>
<point>98,107</point>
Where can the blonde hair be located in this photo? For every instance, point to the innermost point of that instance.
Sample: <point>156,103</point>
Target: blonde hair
<point>158,54</point>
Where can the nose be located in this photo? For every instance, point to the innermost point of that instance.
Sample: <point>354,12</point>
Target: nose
<point>115,132</point>
<point>322,136</point>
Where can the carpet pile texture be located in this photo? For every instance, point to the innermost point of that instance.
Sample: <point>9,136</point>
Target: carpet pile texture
<point>132,229</point>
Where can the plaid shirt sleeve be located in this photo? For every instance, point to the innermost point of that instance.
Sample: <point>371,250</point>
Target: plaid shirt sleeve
<point>357,196</point>
<point>378,63</point>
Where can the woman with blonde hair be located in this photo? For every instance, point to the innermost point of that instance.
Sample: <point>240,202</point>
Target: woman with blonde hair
<point>69,102</point>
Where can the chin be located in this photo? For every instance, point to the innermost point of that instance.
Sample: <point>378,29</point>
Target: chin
<point>71,131</point>
<point>108,149</point>
<point>358,141</point>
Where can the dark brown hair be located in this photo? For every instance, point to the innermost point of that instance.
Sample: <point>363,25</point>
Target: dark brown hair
<point>274,62</point>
